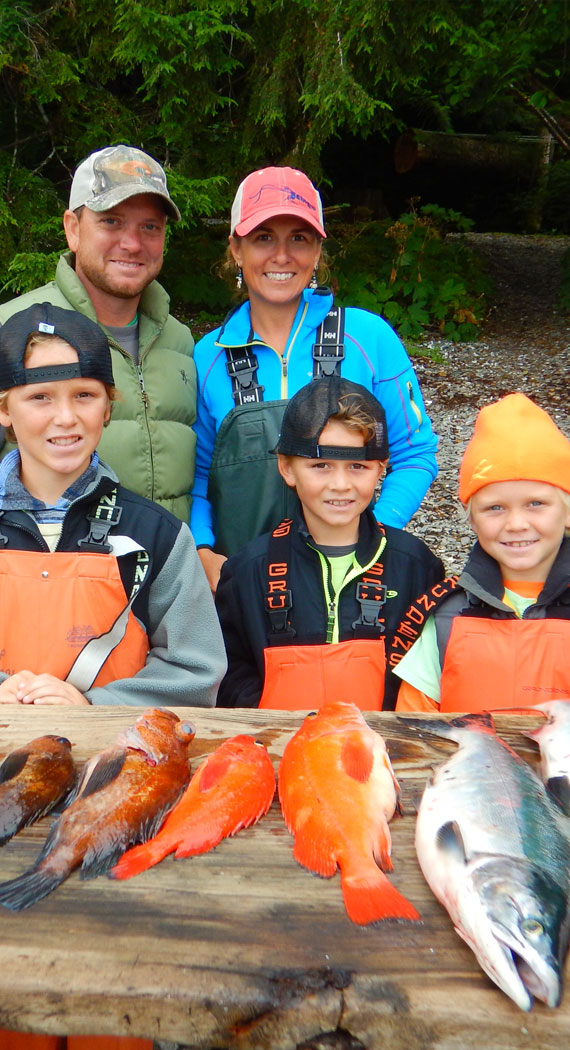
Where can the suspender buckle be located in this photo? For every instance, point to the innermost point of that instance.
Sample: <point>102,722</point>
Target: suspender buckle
<point>99,529</point>
<point>277,606</point>
<point>371,597</point>
<point>328,348</point>
<point>242,371</point>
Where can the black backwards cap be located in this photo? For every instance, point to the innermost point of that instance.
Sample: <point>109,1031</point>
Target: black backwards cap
<point>309,410</point>
<point>91,343</point>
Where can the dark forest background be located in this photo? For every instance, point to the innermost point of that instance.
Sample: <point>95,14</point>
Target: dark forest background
<point>418,119</point>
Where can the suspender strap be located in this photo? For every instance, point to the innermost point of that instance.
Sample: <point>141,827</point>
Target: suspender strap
<point>103,517</point>
<point>241,366</point>
<point>92,657</point>
<point>278,600</point>
<point>413,623</point>
<point>328,349</point>
<point>328,355</point>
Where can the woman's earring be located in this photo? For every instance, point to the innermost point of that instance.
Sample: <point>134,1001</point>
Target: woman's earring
<point>313,283</point>
<point>239,278</point>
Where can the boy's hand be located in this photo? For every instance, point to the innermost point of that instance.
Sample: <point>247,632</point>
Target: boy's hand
<point>9,690</point>
<point>45,689</point>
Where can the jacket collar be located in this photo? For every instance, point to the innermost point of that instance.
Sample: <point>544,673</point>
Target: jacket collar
<point>368,535</point>
<point>236,328</point>
<point>155,302</point>
<point>482,577</point>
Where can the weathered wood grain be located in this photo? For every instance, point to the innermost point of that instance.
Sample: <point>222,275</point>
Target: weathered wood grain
<point>242,948</point>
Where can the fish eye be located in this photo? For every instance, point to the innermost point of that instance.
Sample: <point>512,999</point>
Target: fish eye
<point>532,927</point>
<point>187,727</point>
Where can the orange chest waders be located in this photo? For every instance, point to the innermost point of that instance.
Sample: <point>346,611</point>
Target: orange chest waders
<point>491,663</point>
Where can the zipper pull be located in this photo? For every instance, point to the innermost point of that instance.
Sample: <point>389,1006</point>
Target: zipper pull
<point>284,367</point>
<point>144,394</point>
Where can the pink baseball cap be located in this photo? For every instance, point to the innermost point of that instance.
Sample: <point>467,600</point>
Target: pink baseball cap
<point>269,192</point>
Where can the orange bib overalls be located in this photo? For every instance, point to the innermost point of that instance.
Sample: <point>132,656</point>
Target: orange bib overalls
<point>302,677</point>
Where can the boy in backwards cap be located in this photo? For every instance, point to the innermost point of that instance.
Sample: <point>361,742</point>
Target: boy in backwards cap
<point>500,636</point>
<point>122,607</point>
<point>306,610</point>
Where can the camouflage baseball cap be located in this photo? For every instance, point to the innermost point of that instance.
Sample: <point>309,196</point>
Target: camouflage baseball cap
<point>112,175</point>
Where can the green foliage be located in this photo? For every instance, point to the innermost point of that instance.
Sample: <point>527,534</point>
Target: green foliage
<point>215,88</point>
<point>414,273</point>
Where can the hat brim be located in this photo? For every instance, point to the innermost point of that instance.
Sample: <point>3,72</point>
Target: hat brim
<point>245,227</point>
<point>106,201</point>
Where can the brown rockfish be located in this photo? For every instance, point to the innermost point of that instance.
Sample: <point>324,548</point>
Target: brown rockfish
<point>33,779</point>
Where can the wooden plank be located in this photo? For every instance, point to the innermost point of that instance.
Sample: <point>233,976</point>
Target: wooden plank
<point>242,948</point>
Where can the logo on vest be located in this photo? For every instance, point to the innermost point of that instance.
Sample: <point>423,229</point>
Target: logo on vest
<point>78,636</point>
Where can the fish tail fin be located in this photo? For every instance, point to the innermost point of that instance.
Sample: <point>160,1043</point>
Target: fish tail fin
<point>26,889</point>
<point>142,857</point>
<point>370,897</point>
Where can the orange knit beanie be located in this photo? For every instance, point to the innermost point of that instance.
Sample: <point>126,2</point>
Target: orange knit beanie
<point>514,440</point>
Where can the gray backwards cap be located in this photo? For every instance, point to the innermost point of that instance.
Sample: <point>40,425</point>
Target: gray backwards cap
<point>90,342</point>
<point>112,175</point>
<point>309,410</point>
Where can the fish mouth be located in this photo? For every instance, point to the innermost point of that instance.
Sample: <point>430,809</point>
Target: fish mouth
<point>532,976</point>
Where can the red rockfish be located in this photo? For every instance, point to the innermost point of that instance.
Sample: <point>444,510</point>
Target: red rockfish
<point>121,799</point>
<point>338,792</point>
<point>230,790</point>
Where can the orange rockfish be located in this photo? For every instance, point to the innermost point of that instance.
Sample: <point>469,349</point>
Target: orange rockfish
<point>338,791</point>
<point>230,790</point>
<point>33,779</point>
<point>121,799</point>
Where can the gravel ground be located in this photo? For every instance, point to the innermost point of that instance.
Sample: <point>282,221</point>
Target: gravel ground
<point>524,345</point>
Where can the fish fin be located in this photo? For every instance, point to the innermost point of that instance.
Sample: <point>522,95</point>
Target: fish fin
<point>559,788</point>
<point>450,840</point>
<point>102,773</point>
<point>30,887</point>
<point>99,861</point>
<point>214,769</point>
<point>357,757</point>
<point>310,851</point>
<point>481,720</point>
<point>371,897</point>
<point>12,765</point>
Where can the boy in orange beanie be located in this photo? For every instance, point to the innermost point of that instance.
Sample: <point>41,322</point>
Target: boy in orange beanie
<point>499,635</point>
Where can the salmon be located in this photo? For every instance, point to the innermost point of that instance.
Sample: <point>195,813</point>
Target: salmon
<point>121,799</point>
<point>232,789</point>
<point>553,739</point>
<point>33,780</point>
<point>495,850</point>
<point>338,791</point>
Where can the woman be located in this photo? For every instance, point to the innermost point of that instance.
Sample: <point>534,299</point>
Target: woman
<point>267,348</point>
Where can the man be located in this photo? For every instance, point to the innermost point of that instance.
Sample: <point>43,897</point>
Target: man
<point>115,228</point>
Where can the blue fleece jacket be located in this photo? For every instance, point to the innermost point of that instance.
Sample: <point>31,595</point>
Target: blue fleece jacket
<point>374,357</point>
